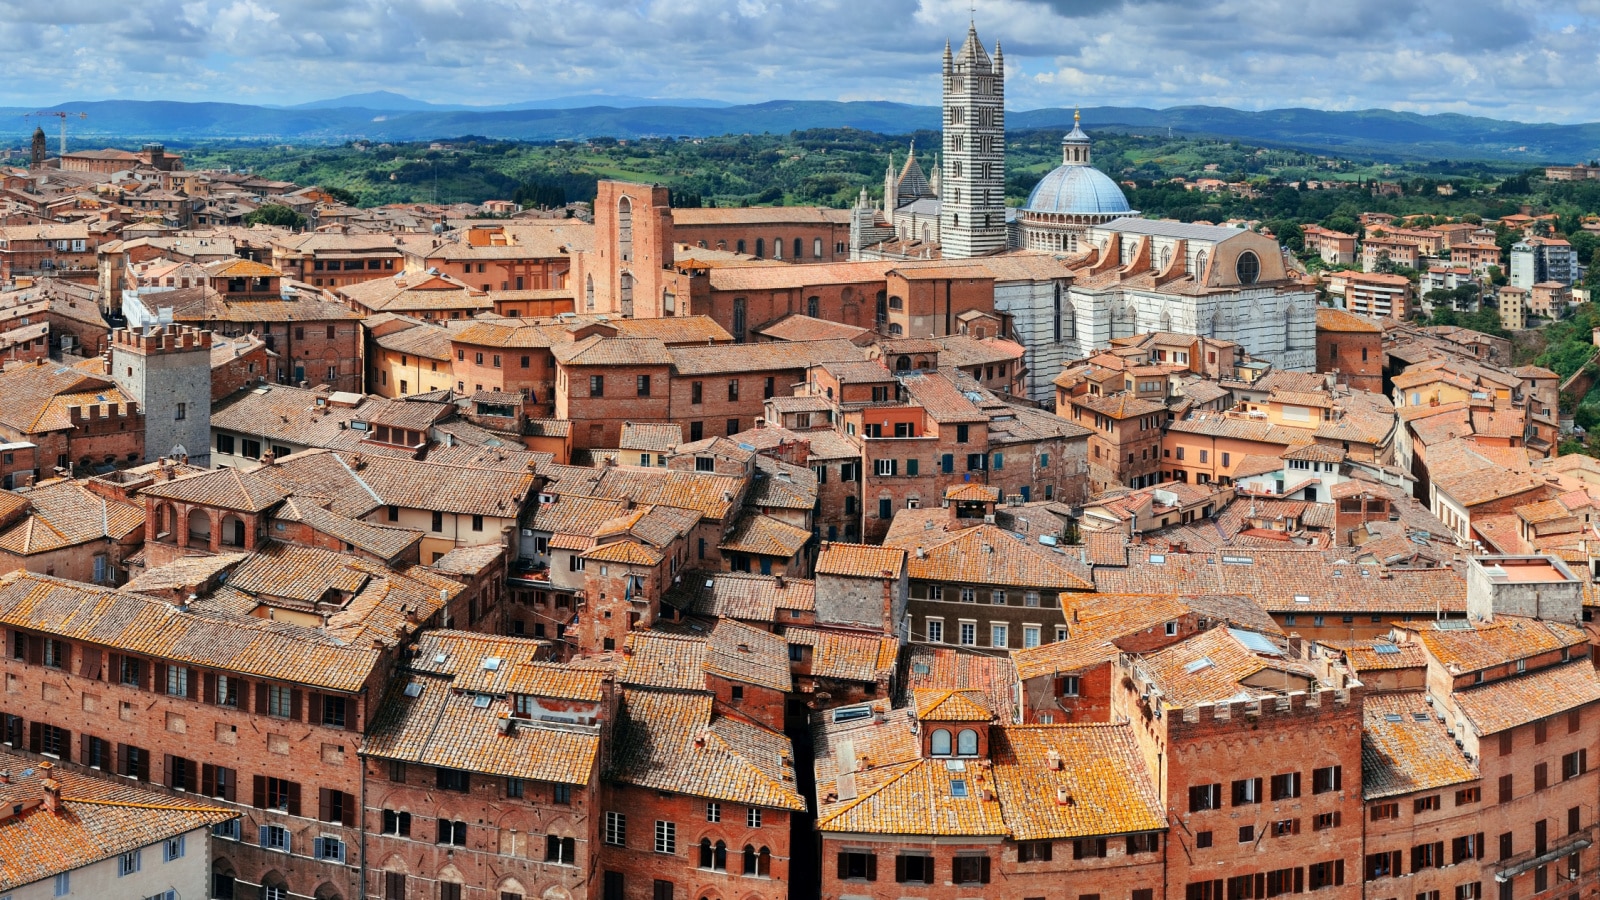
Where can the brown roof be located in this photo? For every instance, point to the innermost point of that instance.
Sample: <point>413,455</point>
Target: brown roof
<point>99,820</point>
<point>1405,748</point>
<point>1520,699</point>
<point>985,554</point>
<point>674,742</point>
<point>860,561</point>
<point>65,514</point>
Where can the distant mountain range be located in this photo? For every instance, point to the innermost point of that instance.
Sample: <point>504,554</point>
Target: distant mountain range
<point>386,116</point>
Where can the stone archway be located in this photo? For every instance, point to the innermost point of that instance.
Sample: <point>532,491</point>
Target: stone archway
<point>199,527</point>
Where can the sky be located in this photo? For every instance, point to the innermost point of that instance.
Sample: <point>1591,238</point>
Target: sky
<point>1530,60</point>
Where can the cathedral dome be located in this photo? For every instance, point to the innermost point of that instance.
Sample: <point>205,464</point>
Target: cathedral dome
<point>1077,190</point>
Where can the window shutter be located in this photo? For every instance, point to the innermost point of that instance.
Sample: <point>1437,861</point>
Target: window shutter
<point>316,848</point>
<point>35,736</point>
<point>899,869</point>
<point>316,708</point>
<point>352,714</point>
<point>844,867</point>
<point>983,871</point>
<point>160,686</point>
<point>114,668</point>
<point>1338,872</point>
<point>294,705</point>
<point>259,796</point>
<point>208,779</point>
<point>324,806</point>
<point>166,769</point>
<point>1299,879</point>
<point>294,798</point>
<point>192,687</point>
<point>144,765</point>
<point>1296,826</point>
<point>35,650</point>
<point>230,791</point>
<point>261,699</point>
<point>89,663</point>
<point>211,687</point>
<point>872,867</point>
<point>261,835</point>
<point>122,759</point>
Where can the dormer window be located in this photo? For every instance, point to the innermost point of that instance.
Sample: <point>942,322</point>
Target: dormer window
<point>939,742</point>
<point>967,742</point>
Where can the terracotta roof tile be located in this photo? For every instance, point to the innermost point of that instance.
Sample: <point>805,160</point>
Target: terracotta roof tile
<point>1108,787</point>
<point>1518,700</point>
<point>1482,645</point>
<point>741,595</point>
<point>951,705</point>
<point>986,554</point>
<point>673,742</point>
<point>764,536</point>
<point>848,656</point>
<point>1405,749</point>
<point>860,561</point>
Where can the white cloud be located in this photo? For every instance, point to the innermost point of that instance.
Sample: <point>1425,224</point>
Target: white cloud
<point>1501,57</point>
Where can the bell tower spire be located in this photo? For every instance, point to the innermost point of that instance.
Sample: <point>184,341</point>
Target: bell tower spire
<point>972,215</point>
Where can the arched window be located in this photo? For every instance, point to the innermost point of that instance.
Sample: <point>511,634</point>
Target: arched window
<point>1166,257</point>
<point>777,248</point>
<point>740,246</point>
<point>749,860</point>
<point>798,248</point>
<point>719,857</point>
<point>626,294</point>
<point>1248,268</point>
<point>967,743</point>
<point>814,307</point>
<point>1056,319</point>
<point>895,330</point>
<point>706,857</point>
<point>939,743</point>
<point>761,247</point>
<point>816,248</point>
<point>902,363</point>
<point>588,293</point>
<point>702,245</point>
<point>1200,264</point>
<point>764,862</point>
<point>625,229</point>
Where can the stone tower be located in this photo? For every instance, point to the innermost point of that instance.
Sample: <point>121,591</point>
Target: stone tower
<point>972,217</point>
<point>39,149</point>
<point>167,370</point>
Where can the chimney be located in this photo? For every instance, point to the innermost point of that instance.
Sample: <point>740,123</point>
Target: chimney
<point>1063,798</point>
<point>1052,760</point>
<point>778,580</point>
<point>52,787</point>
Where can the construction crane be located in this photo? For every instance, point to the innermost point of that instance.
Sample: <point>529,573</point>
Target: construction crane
<point>63,116</point>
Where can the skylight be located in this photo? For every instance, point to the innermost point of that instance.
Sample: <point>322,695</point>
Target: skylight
<point>1203,662</point>
<point>958,788</point>
<point>414,689</point>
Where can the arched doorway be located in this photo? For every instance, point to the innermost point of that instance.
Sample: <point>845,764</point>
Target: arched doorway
<point>233,531</point>
<point>222,879</point>
<point>199,527</point>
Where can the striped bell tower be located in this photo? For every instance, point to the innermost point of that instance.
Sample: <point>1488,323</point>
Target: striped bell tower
<point>972,216</point>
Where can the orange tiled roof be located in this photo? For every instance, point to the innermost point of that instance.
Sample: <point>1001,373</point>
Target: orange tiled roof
<point>986,554</point>
<point>860,561</point>
<point>1520,699</point>
<point>1405,748</point>
<point>100,819</point>
<point>1108,788</point>
<point>741,595</point>
<point>66,514</point>
<point>848,656</point>
<point>764,536</point>
<point>674,742</point>
<point>951,706</point>
<point>1482,645</point>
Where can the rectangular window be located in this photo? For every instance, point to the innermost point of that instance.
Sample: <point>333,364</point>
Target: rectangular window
<point>733,389</point>
<point>752,818</point>
<point>643,385</point>
<point>1246,791</point>
<point>1466,847</point>
<point>453,780</point>
<point>969,634</point>
<point>1286,786</point>
<point>128,863</point>
<point>1328,778</point>
<point>1574,764</point>
<point>936,631</point>
<point>970,870</point>
<point>1468,795</point>
<point>666,837</point>
<point>597,385</point>
<point>999,635</point>
<point>280,702</point>
<point>1504,789</point>
<point>858,865</point>
<point>918,869</point>
<point>1427,856</point>
<point>1426,804</point>
<point>1205,796</point>
<point>172,849</point>
<point>451,833</point>
<point>1089,848</point>
<point>178,681</point>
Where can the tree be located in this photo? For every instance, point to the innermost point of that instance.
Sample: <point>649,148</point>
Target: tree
<point>347,197</point>
<point>275,214</point>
